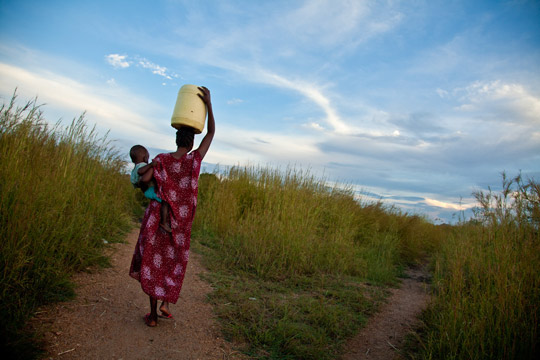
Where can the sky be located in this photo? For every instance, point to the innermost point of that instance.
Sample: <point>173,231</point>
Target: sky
<point>414,103</point>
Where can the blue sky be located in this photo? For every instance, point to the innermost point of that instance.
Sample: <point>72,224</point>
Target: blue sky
<point>418,103</point>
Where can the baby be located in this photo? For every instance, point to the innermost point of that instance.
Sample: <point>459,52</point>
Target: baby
<point>139,155</point>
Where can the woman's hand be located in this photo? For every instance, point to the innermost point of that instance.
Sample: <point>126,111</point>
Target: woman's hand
<point>205,97</point>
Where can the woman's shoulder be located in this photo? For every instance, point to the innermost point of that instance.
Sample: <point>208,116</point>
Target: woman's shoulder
<point>170,157</point>
<point>194,157</point>
<point>160,158</point>
<point>196,154</point>
<point>191,155</point>
<point>163,155</point>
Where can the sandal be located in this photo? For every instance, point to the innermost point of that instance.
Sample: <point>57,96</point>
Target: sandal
<point>166,315</point>
<point>149,321</point>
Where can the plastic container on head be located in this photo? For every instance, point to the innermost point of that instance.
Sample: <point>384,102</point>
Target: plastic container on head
<point>189,110</point>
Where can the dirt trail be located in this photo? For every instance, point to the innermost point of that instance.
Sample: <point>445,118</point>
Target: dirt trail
<point>386,330</point>
<point>105,321</point>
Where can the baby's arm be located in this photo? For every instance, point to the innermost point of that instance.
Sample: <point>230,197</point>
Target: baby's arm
<point>146,172</point>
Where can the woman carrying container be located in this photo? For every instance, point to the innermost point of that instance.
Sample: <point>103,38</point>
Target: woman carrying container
<point>160,258</point>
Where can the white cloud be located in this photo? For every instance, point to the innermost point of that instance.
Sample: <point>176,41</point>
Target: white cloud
<point>314,125</point>
<point>497,96</point>
<point>125,114</point>
<point>117,61</point>
<point>121,61</point>
<point>312,92</point>
<point>336,23</point>
<point>442,93</point>
<point>449,205</point>
<point>234,101</point>
<point>234,145</point>
<point>155,68</point>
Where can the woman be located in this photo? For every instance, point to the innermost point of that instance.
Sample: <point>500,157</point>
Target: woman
<point>160,258</point>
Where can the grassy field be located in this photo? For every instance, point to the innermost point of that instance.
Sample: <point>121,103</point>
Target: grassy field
<point>298,266</point>
<point>487,281</point>
<point>62,198</point>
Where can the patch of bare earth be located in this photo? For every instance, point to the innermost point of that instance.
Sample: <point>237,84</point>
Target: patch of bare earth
<point>105,321</point>
<point>385,331</point>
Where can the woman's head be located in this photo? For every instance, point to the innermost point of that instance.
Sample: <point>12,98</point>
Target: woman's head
<point>184,137</point>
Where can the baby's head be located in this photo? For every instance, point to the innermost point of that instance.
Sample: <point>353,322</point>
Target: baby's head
<point>139,154</point>
<point>184,137</point>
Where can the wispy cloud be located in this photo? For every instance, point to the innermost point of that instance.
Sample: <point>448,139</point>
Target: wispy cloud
<point>111,110</point>
<point>156,69</point>
<point>297,34</point>
<point>311,91</point>
<point>497,97</point>
<point>123,61</point>
<point>234,101</point>
<point>341,23</point>
<point>117,61</point>
<point>448,205</point>
<point>267,147</point>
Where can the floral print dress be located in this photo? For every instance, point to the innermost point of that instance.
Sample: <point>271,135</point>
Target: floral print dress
<point>160,258</point>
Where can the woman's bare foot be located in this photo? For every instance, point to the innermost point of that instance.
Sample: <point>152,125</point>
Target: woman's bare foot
<point>164,308</point>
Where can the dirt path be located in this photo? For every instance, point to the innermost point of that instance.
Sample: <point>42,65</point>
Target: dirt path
<point>386,330</point>
<point>105,321</point>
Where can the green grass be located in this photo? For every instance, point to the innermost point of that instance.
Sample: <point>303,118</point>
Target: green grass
<point>63,196</point>
<point>298,266</point>
<point>277,224</point>
<point>298,318</point>
<point>487,281</point>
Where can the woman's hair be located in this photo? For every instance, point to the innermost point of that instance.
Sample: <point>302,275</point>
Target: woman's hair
<point>184,137</point>
<point>136,151</point>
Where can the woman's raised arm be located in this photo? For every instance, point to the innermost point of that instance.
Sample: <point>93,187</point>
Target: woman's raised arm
<point>211,128</point>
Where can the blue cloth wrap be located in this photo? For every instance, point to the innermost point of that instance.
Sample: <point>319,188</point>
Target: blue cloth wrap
<point>150,193</point>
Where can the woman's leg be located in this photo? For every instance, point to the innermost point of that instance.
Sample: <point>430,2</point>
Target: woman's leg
<point>151,318</point>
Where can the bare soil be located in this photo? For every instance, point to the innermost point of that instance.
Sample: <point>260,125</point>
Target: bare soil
<point>385,331</point>
<point>105,321</point>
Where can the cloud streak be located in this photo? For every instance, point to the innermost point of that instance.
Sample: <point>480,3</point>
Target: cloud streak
<point>310,91</point>
<point>500,98</point>
<point>122,62</point>
<point>107,109</point>
<point>117,61</point>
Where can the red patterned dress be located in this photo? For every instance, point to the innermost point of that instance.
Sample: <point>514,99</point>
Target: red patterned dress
<point>160,258</point>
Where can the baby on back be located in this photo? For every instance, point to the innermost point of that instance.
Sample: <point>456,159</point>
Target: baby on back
<point>141,177</point>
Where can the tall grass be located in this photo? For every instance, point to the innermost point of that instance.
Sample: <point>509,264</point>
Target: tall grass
<point>291,257</point>
<point>280,223</point>
<point>62,197</point>
<point>487,280</point>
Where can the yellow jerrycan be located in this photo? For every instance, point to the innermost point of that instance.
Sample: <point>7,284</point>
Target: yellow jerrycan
<point>189,110</point>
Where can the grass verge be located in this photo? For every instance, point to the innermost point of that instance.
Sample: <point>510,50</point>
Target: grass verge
<point>487,282</point>
<point>63,198</point>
